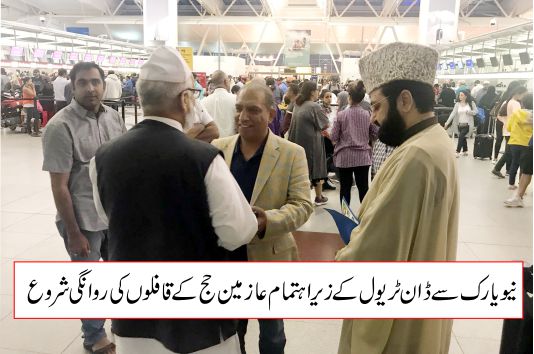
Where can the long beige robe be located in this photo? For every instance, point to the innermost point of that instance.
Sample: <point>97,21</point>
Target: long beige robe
<point>409,214</point>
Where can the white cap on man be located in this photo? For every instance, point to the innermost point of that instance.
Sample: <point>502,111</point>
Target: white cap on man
<point>166,64</point>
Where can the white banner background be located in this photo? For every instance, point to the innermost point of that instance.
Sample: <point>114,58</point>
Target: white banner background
<point>323,291</point>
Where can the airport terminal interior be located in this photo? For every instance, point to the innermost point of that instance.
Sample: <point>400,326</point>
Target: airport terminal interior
<point>485,49</point>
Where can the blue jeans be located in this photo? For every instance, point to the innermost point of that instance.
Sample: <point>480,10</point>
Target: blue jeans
<point>93,330</point>
<point>272,336</point>
<point>462,138</point>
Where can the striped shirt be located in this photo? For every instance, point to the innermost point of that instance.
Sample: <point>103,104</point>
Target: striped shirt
<point>351,134</point>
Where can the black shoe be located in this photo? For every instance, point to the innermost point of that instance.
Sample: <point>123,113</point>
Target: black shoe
<point>497,173</point>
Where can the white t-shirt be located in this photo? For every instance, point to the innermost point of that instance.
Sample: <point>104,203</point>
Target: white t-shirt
<point>462,113</point>
<point>59,88</point>
<point>221,107</point>
<point>200,116</point>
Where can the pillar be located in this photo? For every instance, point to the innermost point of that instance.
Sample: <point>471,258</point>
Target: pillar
<point>160,23</point>
<point>438,21</point>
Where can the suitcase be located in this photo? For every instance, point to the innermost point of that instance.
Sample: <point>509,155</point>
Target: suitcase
<point>483,146</point>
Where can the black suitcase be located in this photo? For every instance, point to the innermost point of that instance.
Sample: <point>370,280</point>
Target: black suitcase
<point>483,146</point>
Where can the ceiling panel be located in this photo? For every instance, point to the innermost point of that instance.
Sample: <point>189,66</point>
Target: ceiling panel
<point>34,39</point>
<point>68,44</point>
<point>511,46</point>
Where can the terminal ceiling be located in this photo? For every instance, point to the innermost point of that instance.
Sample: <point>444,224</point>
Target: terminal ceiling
<point>347,25</point>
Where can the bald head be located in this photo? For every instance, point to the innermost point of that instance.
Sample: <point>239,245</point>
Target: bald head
<point>259,87</point>
<point>219,79</point>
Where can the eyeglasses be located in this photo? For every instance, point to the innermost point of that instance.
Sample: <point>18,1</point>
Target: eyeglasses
<point>196,92</point>
<point>373,105</point>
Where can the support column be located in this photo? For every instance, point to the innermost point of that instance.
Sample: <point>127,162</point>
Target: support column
<point>160,23</point>
<point>438,21</point>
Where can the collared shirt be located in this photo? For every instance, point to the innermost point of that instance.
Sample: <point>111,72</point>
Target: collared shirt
<point>231,215</point>
<point>245,172</point>
<point>221,107</point>
<point>59,88</point>
<point>70,141</point>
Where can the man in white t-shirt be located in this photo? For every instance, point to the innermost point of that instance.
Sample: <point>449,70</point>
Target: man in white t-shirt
<point>221,104</point>
<point>202,126</point>
<point>59,89</point>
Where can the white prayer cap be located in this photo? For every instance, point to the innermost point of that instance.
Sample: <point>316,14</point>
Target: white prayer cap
<point>166,64</point>
<point>399,61</point>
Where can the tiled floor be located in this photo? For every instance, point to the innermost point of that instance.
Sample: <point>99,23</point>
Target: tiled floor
<point>488,231</point>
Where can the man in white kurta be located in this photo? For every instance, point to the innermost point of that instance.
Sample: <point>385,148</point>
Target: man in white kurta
<point>411,210</point>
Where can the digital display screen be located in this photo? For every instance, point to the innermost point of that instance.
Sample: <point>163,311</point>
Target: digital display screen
<point>74,56</point>
<point>39,53</point>
<point>17,51</point>
<point>469,63</point>
<point>481,63</point>
<point>133,61</point>
<point>507,59</point>
<point>452,66</point>
<point>57,54</point>
<point>112,59</point>
<point>494,61</point>
<point>524,57</point>
<point>123,61</point>
<point>100,58</point>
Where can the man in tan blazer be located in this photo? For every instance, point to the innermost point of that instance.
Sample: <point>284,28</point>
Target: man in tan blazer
<point>273,175</point>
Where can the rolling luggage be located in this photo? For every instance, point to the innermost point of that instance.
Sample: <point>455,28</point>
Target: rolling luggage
<point>483,147</point>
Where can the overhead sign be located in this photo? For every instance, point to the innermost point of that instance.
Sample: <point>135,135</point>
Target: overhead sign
<point>79,30</point>
<point>187,54</point>
<point>297,48</point>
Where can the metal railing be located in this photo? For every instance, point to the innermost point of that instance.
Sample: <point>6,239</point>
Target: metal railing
<point>122,102</point>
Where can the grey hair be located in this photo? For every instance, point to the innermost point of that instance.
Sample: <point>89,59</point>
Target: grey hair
<point>156,96</point>
<point>259,86</point>
<point>217,78</point>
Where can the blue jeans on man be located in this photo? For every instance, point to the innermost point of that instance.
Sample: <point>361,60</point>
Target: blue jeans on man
<point>93,330</point>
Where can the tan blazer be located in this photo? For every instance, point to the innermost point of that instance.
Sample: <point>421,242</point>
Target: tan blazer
<point>282,189</point>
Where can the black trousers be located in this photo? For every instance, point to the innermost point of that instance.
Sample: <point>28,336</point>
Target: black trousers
<point>498,139</point>
<point>517,153</point>
<point>505,159</point>
<point>272,336</point>
<point>462,138</point>
<point>361,175</point>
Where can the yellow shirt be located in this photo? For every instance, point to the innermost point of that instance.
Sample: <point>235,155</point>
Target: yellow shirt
<point>520,127</point>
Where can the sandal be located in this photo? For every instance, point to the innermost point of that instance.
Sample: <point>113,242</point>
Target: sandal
<point>103,350</point>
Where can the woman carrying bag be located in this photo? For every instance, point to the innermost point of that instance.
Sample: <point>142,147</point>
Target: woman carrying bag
<point>462,120</point>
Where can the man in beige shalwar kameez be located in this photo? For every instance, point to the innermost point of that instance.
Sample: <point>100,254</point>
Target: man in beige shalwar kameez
<point>411,210</point>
